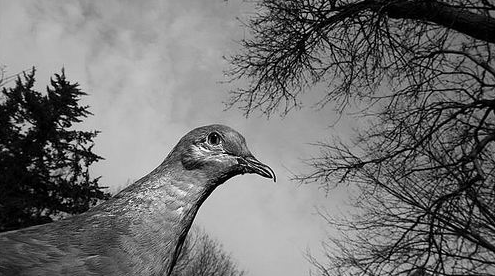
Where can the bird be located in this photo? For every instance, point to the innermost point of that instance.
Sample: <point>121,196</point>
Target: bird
<point>139,231</point>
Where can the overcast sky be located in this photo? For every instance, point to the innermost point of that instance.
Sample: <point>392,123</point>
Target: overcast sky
<point>153,71</point>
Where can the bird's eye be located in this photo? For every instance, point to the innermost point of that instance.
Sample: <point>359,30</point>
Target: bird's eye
<point>214,139</point>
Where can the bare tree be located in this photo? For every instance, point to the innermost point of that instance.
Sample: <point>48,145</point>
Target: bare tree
<point>422,73</point>
<point>203,256</point>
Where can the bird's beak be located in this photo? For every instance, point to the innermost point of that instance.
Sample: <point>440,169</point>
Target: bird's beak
<point>252,165</point>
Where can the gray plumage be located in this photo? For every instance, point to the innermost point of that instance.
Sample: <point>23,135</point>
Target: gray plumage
<point>139,231</point>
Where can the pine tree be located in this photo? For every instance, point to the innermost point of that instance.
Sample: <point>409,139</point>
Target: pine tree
<point>44,160</point>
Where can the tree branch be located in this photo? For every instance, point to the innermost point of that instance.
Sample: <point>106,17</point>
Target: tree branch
<point>457,18</point>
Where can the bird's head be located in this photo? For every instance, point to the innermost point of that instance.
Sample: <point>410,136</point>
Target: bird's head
<point>219,152</point>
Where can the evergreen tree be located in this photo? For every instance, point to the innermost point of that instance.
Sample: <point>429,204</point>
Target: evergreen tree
<point>44,160</point>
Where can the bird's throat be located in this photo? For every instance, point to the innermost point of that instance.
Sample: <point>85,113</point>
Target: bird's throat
<point>163,208</point>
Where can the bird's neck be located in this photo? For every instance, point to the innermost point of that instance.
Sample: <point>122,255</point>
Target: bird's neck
<point>163,206</point>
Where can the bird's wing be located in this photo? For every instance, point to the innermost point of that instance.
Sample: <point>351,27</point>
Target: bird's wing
<point>63,248</point>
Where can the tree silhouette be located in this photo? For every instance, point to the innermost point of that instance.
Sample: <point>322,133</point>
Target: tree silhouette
<point>203,256</point>
<point>422,74</point>
<point>44,160</point>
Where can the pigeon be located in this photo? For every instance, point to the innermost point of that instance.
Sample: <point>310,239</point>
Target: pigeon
<point>140,230</point>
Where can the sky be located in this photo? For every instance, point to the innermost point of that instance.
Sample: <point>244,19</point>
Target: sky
<point>153,71</point>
